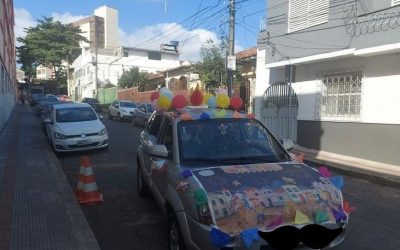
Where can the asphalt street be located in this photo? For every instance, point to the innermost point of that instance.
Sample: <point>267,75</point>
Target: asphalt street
<point>126,221</point>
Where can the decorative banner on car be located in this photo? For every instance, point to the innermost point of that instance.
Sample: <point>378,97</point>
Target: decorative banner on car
<point>266,196</point>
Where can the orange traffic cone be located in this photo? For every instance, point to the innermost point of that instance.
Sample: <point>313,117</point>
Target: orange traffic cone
<point>87,191</point>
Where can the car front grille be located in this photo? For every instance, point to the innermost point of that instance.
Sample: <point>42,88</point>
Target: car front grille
<point>79,136</point>
<point>85,146</point>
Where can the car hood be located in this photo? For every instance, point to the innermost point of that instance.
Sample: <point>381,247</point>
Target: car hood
<point>128,109</point>
<point>268,195</point>
<point>77,128</point>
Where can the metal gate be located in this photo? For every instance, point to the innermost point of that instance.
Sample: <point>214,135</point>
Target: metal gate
<point>280,109</point>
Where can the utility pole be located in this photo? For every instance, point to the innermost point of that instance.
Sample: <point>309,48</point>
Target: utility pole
<point>96,43</point>
<point>231,45</point>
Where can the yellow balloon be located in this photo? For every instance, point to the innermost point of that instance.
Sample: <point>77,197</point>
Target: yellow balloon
<point>164,102</point>
<point>206,97</point>
<point>223,101</point>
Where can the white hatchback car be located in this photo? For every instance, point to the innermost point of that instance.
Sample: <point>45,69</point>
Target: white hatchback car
<point>122,109</point>
<point>75,127</point>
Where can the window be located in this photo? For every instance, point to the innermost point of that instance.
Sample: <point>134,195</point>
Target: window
<point>395,2</point>
<point>341,95</point>
<point>307,13</point>
<point>154,55</point>
<point>167,137</point>
<point>154,125</point>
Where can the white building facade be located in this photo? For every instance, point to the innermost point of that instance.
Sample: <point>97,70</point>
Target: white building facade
<point>330,82</point>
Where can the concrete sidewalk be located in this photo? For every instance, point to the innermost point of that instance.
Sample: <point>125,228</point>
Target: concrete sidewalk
<point>376,171</point>
<point>37,207</point>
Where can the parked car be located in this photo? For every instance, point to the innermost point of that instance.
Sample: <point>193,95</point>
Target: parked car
<point>142,114</point>
<point>45,114</point>
<point>122,109</point>
<point>92,102</point>
<point>217,174</point>
<point>75,127</point>
<point>42,102</point>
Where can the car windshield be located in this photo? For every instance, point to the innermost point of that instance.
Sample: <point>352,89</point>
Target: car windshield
<point>90,100</point>
<point>75,114</point>
<point>127,105</point>
<point>149,108</point>
<point>227,141</point>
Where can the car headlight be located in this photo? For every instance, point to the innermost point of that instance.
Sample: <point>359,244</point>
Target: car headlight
<point>102,132</point>
<point>59,136</point>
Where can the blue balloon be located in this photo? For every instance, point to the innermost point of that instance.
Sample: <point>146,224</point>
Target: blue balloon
<point>212,102</point>
<point>164,90</point>
<point>168,94</point>
<point>219,238</point>
<point>204,116</point>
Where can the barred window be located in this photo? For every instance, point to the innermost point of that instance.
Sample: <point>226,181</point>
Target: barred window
<point>307,13</point>
<point>341,96</point>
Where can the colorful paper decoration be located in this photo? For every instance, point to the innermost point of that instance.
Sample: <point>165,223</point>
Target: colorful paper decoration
<point>337,181</point>
<point>212,102</point>
<point>164,102</point>
<point>220,114</point>
<point>196,98</point>
<point>223,101</point>
<point>249,235</point>
<point>321,216</point>
<point>347,208</point>
<point>236,102</point>
<point>182,186</point>
<point>324,171</point>
<point>179,102</point>
<point>200,196</point>
<point>277,222</point>
<point>339,214</point>
<point>236,115</point>
<point>186,173</point>
<point>204,116</point>
<point>219,238</point>
<point>206,97</point>
<point>300,218</point>
<point>154,96</point>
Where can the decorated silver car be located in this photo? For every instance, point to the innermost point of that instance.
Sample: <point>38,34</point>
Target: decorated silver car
<point>224,181</point>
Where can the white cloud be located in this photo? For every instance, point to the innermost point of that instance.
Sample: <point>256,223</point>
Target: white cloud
<point>150,37</point>
<point>23,20</point>
<point>66,17</point>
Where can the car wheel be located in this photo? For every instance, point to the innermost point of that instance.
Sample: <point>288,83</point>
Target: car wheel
<point>175,238</point>
<point>109,115</point>
<point>142,187</point>
<point>119,117</point>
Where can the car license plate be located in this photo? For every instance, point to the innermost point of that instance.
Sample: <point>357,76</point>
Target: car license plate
<point>83,142</point>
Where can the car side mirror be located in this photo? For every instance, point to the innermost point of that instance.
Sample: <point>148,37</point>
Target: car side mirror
<point>158,151</point>
<point>48,121</point>
<point>101,117</point>
<point>287,144</point>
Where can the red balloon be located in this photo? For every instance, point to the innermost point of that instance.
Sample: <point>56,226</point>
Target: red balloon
<point>179,102</point>
<point>236,102</point>
<point>196,98</point>
<point>154,96</point>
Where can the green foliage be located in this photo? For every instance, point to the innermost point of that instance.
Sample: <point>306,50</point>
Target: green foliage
<point>211,68</point>
<point>133,78</point>
<point>49,43</point>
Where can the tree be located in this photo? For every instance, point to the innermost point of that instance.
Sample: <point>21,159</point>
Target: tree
<point>133,78</point>
<point>211,68</point>
<point>49,43</point>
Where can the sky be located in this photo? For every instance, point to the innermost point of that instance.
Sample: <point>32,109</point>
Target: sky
<point>148,23</point>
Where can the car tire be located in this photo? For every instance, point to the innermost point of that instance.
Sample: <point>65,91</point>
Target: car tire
<point>119,117</point>
<point>175,237</point>
<point>142,187</point>
<point>109,115</point>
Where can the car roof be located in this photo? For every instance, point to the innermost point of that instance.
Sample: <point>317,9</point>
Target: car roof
<point>203,112</point>
<point>70,105</point>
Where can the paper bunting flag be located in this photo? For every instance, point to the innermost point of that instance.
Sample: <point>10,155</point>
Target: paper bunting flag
<point>219,238</point>
<point>182,186</point>
<point>321,216</point>
<point>324,171</point>
<point>339,215</point>
<point>347,208</point>
<point>200,196</point>
<point>277,222</point>
<point>337,181</point>
<point>249,235</point>
<point>300,218</point>
<point>186,173</point>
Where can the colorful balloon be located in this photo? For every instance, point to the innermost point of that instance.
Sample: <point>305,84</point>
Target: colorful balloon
<point>164,90</point>
<point>236,102</point>
<point>179,102</point>
<point>196,98</point>
<point>154,103</point>
<point>164,102</point>
<point>223,101</point>
<point>212,102</point>
<point>154,96</point>
<point>206,97</point>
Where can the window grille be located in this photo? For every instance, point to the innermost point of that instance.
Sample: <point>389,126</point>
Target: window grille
<point>341,96</point>
<point>307,13</point>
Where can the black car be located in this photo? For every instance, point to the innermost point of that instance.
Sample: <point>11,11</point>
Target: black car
<point>92,102</point>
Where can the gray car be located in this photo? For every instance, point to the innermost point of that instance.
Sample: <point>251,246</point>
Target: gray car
<point>225,182</point>
<point>142,114</point>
